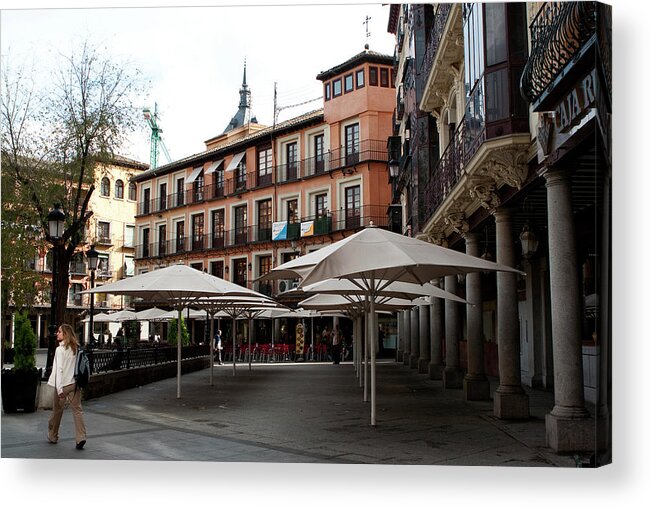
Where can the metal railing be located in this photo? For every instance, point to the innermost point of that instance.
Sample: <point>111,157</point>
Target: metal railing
<point>434,37</point>
<point>102,360</point>
<point>332,221</point>
<point>368,150</point>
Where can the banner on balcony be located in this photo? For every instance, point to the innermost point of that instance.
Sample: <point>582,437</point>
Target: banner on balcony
<point>279,230</point>
<point>307,228</point>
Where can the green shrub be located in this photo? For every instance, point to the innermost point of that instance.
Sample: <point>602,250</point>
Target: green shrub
<point>24,343</point>
<point>171,335</point>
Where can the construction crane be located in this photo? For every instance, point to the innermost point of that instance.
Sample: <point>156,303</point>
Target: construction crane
<point>156,138</point>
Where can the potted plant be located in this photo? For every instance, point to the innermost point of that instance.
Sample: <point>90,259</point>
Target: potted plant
<point>21,383</point>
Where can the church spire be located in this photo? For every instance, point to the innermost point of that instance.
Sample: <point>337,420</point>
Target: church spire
<point>243,114</point>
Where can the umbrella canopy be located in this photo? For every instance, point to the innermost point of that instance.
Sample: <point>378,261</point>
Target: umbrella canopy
<point>383,289</point>
<point>121,316</point>
<point>376,254</point>
<point>151,314</point>
<point>340,302</point>
<point>99,317</point>
<point>177,285</point>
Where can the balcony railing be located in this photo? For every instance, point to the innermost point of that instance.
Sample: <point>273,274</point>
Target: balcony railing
<point>327,223</point>
<point>558,33</point>
<point>368,150</point>
<point>434,39</point>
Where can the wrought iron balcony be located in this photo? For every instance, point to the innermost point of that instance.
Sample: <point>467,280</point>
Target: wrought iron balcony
<point>434,38</point>
<point>558,33</point>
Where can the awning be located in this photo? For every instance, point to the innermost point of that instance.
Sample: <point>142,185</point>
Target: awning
<point>236,161</point>
<point>213,167</point>
<point>194,175</point>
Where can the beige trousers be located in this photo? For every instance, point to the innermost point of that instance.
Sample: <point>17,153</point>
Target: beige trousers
<point>72,398</point>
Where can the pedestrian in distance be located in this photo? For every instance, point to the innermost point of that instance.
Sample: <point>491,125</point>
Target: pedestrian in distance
<point>336,345</point>
<point>218,345</point>
<point>66,391</point>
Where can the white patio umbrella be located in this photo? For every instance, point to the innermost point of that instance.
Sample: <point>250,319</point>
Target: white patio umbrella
<point>377,257</point>
<point>177,285</point>
<point>154,313</point>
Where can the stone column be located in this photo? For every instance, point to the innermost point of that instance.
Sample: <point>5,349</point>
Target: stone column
<point>436,333</point>
<point>406,350</point>
<point>568,426</point>
<point>424,337</point>
<point>399,336</point>
<point>510,401</point>
<point>475,383</point>
<point>414,346</point>
<point>452,374</point>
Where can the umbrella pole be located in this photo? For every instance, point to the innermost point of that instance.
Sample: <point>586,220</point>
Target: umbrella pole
<point>372,340</point>
<point>249,340</point>
<point>179,339</point>
<point>234,349</point>
<point>366,321</point>
<point>212,345</point>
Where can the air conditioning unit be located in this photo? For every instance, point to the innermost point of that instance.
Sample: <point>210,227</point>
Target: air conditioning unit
<point>287,285</point>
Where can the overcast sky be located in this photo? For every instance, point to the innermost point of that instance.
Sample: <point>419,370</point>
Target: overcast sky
<point>193,57</point>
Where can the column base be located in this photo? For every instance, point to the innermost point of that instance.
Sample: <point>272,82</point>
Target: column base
<point>435,371</point>
<point>423,365</point>
<point>413,361</point>
<point>452,378</point>
<point>476,388</point>
<point>564,434</point>
<point>510,403</point>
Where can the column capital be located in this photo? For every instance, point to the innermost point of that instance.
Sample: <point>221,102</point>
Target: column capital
<point>503,214</point>
<point>554,175</point>
<point>471,238</point>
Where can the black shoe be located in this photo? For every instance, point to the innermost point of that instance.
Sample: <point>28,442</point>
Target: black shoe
<point>80,445</point>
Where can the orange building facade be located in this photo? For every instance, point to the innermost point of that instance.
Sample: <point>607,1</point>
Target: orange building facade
<point>260,196</point>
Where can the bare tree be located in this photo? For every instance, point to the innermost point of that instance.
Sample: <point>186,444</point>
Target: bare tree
<point>53,141</point>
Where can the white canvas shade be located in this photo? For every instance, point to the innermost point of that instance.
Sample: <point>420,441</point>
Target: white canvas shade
<point>178,285</point>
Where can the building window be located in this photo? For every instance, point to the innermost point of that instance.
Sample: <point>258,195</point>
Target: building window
<point>292,211</point>
<point>336,88</point>
<point>104,233</point>
<point>327,91</point>
<point>384,77</point>
<point>180,236</point>
<point>197,265</point>
<point>348,83</point>
<point>353,204</point>
<point>180,192</point>
<point>241,236</point>
<point>162,240</point>
<point>352,143</point>
<point>239,267</point>
<point>495,20</point>
<point>132,191</point>
<point>218,183</point>
<point>128,235</point>
<point>197,232</point>
<point>105,187</point>
<point>146,200</point>
<point>321,204</point>
<point>319,155</point>
<point>264,167</point>
<point>240,175</point>
<point>218,228</point>
<point>197,188</point>
<point>292,161</point>
<point>217,268</point>
<point>264,266</point>
<point>359,77</point>
<point>119,189</point>
<point>145,242</point>
<point>264,220</point>
<point>372,76</point>
<point>129,266</point>
<point>162,197</point>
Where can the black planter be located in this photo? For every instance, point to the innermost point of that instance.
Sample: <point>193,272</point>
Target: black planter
<point>20,390</point>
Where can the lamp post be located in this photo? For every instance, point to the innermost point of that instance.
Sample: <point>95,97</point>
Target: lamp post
<point>56,221</point>
<point>92,257</point>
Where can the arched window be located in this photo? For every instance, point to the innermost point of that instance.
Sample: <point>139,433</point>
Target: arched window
<point>119,189</point>
<point>105,187</point>
<point>132,191</point>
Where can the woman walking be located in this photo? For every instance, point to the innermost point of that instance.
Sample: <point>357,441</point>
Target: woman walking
<point>65,389</point>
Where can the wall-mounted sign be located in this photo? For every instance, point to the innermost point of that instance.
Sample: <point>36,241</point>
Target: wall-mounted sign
<point>307,228</point>
<point>278,231</point>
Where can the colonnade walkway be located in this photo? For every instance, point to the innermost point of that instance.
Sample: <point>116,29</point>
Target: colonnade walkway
<point>293,413</point>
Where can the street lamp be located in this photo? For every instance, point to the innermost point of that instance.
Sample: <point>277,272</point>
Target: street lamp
<point>394,168</point>
<point>93,258</point>
<point>55,221</point>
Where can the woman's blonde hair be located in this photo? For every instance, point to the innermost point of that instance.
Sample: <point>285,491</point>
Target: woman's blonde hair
<point>69,337</point>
